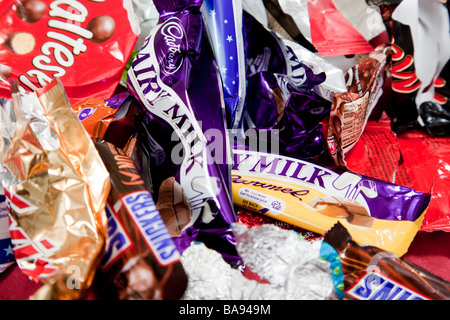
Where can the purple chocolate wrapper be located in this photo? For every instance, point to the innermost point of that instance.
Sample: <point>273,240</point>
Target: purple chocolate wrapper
<point>176,82</point>
<point>281,93</point>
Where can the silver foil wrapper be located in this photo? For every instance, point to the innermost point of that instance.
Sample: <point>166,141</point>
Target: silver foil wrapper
<point>292,266</point>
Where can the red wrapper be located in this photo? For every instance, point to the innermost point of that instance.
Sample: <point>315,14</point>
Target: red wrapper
<point>86,45</point>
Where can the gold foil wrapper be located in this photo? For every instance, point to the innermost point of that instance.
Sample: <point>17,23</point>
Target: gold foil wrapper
<point>56,187</point>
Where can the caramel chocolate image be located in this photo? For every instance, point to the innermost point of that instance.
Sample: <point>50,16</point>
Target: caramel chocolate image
<point>31,10</point>
<point>347,209</point>
<point>173,207</point>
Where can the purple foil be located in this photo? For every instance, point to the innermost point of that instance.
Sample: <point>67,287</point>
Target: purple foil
<point>280,94</point>
<point>174,79</point>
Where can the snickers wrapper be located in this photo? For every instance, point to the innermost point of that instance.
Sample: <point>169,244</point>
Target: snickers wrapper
<point>56,187</point>
<point>371,273</point>
<point>141,261</point>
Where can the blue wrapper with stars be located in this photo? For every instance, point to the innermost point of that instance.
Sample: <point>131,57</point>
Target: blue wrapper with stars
<point>223,22</point>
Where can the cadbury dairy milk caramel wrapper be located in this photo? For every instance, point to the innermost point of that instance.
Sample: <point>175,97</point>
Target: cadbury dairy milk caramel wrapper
<point>371,273</point>
<point>141,260</point>
<point>313,197</point>
<point>350,110</point>
<point>56,187</point>
<point>176,82</point>
<point>44,39</point>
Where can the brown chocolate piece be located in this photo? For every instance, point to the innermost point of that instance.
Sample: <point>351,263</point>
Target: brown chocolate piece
<point>172,207</point>
<point>31,10</point>
<point>102,28</point>
<point>402,279</point>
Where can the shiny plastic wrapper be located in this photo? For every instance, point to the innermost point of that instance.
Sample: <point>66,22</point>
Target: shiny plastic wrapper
<point>315,197</point>
<point>289,268</point>
<point>141,261</point>
<point>350,111</point>
<point>281,97</point>
<point>175,80</point>
<point>56,188</point>
<point>224,26</point>
<point>420,68</point>
<point>371,273</point>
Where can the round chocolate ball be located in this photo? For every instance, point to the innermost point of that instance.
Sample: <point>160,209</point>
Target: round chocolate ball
<point>31,10</point>
<point>102,28</point>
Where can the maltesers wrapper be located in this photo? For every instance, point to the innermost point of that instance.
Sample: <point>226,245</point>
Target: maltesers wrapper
<point>84,43</point>
<point>141,261</point>
<point>56,188</point>
<point>314,197</point>
<point>175,79</point>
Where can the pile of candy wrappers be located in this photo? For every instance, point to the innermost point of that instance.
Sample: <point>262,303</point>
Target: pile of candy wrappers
<point>241,149</point>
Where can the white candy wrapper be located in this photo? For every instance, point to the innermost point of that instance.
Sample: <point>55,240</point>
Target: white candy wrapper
<point>292,266</point>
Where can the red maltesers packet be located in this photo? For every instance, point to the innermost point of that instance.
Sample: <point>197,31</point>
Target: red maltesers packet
<point>85,43</point>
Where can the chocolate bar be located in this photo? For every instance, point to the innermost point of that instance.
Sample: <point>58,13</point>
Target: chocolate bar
<point>371,273</point>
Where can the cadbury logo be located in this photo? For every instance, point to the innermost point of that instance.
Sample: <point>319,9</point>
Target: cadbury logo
<point>173,34</point>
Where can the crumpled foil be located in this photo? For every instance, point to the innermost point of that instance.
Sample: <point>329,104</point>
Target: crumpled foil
<point>292,266</point>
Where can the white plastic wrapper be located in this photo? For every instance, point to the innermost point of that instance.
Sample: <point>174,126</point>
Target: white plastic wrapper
<point>292,267</point>
<point>429,24</point>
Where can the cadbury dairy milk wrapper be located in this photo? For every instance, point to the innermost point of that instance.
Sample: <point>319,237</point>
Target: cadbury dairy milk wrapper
<point>44,39</point>
<point>140,260</point>
<point>176,82</point>
<point>56,187</point>
<point>314,197</point>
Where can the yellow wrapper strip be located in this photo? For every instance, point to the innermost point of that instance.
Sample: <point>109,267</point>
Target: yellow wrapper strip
<point>315,198</point>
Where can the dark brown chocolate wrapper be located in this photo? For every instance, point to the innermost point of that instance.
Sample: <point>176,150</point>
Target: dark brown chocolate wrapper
<point>358,260</point>
<point>136,273</point>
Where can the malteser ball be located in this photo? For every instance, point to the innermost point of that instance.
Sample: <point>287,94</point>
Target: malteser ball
<point>31,10</point>
<point>20,42</point>
<point>102,28</point>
